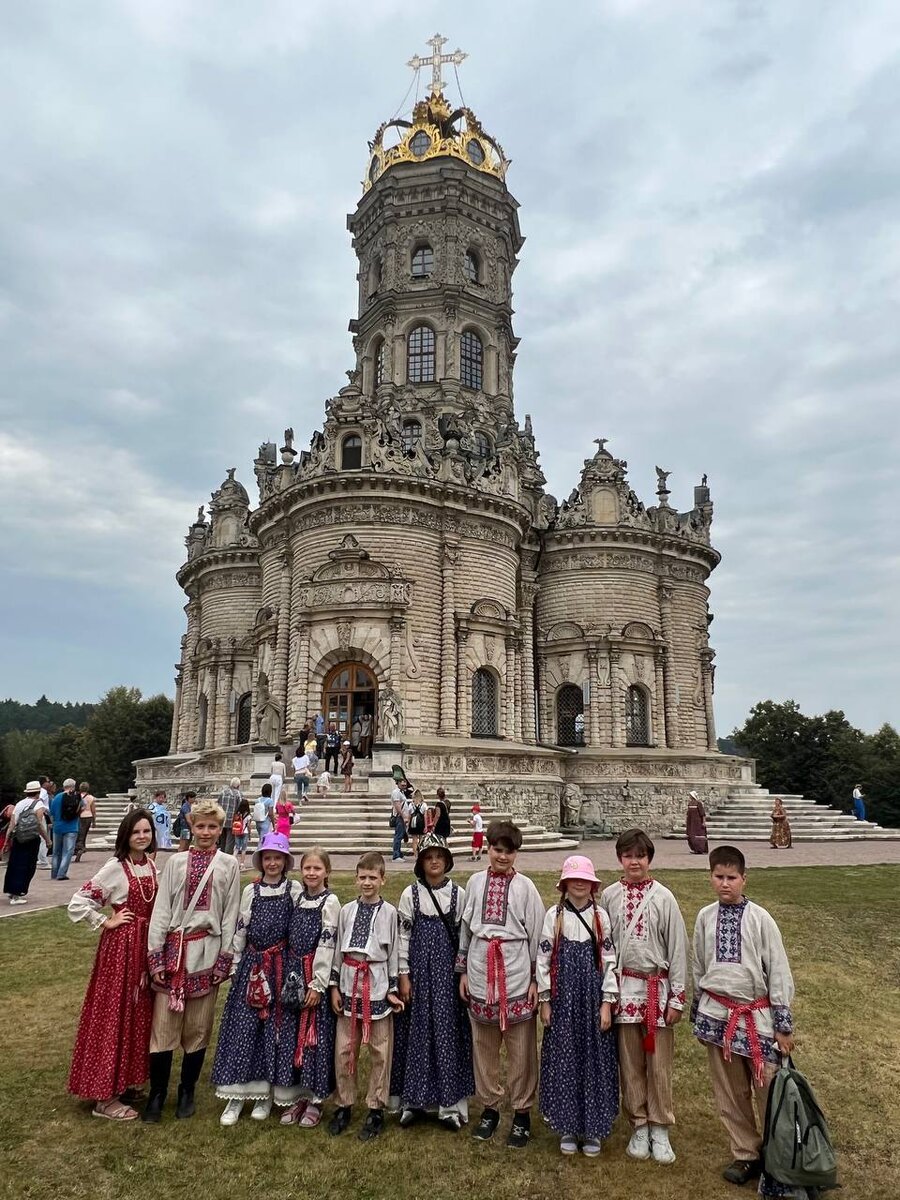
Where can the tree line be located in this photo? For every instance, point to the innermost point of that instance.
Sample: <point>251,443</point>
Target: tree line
<point>96,743</point>
<point>821,757</point>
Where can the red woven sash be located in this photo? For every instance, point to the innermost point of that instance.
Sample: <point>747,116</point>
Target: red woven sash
<point>307,1028</point>
<point>179,975</point>
<point>360,967</point>
<point>496,979</point>
<point>652,979</point>
<point>736,1010</point>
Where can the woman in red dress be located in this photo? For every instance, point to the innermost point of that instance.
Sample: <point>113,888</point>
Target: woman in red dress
<point>111,1048</point>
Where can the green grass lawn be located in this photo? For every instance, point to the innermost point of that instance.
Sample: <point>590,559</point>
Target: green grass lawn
<point>841,931</point>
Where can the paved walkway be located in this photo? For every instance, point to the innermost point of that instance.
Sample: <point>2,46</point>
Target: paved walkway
<point>670,855</point>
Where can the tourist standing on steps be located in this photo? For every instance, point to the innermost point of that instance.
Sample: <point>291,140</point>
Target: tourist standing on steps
<point>859,803</point>
<point>65,808</point>
<point>183,823</point>
<point>695,825</point>
<point>332,748</point>
<point>26,833</point>
<point>277,776</point>
<point>111,1055</point>
<point>347,766</point>
<point>229,799</point>
<point>441,810</point>
<point>781,827</point>
<point>416,825</point>
<point>400,809</point>
<point>319,728</point>
<point>85,818</point>
<point>162,822</point>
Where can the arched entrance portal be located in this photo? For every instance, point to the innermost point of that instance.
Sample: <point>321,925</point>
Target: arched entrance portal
<point>350,700</point>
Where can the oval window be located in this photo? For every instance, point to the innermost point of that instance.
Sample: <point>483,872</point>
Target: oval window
<point>420,143</point>
<point>475,152</point>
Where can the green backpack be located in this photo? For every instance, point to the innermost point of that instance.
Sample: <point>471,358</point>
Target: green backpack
<point>797,1147</point>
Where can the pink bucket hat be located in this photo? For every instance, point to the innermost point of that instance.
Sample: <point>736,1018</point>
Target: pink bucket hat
<point>577,866</point>
<point>274,841</point>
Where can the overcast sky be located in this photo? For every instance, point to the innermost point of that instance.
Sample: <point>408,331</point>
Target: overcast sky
<point>709,193</point>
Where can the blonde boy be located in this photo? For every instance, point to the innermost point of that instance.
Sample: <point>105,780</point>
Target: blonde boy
<point>190,943</point>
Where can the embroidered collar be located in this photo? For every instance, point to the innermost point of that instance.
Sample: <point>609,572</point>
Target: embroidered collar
<point>638,885</point>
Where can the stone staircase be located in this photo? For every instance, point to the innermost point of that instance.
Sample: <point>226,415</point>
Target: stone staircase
<point>347,824</point>
<point>746,817</point>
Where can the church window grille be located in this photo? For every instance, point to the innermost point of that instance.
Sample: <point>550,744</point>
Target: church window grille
<point>471,360</point>
<point>470,266</point>
<point>484,704</point>
<point>420,355</point>
<point>422,261</point>
<point>412,435</point>
<point>420,143</point>
<point>482,444</point>
<point>569,707</point>
<point>244,713</point>
<point>351,453</point>
<point>637,717</point>
<point>379,364</point>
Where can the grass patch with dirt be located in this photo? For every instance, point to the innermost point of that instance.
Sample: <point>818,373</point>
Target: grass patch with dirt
<point>841,932</point>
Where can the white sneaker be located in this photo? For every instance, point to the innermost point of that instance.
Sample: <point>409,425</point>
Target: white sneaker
<point>568,1144</point>
<point>261,1109</point>
<point>232,1112</point>
<point>639,1146</point>
<point>18,899</point>
<point>659,1144</point>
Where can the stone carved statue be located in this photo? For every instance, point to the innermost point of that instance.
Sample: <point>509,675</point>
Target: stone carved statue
<point>391,721</point>
<point>268,715</point>
<point>572,803</point>
<point>661,479</point>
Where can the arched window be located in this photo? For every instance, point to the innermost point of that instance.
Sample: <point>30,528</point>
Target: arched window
<point>482,444</point>
<point>422,261</point>
<point>420,143</point>
<point>375,275</point>
<point>351,453</point>
<point>570,716</point>
<point>202,717</point>
<point>637,717</point>
<point>420,355</point>
<point>412,435</point>
<point>484,704</point>
<point>378,363</point>
<point>471,360</point>
<point>244,712</point>
<point>471,266</point>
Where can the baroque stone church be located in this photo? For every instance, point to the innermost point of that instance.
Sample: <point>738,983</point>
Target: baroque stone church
<point>409,576</point>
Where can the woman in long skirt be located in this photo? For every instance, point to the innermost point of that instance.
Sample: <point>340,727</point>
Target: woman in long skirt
<point>781,827</point>
<point>311,939</point>
<point>696,825</point>
<point>110,1058</point>
<point>577,988</point>
<point>23,855</point>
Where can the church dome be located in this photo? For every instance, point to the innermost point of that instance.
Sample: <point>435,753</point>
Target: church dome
<point>436,130</point>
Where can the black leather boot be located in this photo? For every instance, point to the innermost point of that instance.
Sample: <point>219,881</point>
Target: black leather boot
<point>160,1070</point>
<point>191,1066</point>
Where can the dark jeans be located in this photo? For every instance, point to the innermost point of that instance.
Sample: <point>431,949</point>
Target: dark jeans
<point>329,754</point>
<point>84,827</point>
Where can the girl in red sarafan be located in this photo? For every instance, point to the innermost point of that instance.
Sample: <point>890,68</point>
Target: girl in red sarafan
<point>111,1047</point>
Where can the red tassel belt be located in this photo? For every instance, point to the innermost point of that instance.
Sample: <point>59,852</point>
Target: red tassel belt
<point>179,975</point>
<point>652,979</point>
<point>360,966</point>
<point>307,1031</point>
<point>271,960</point>
<point>736,1010</point>
<point>496,979</point>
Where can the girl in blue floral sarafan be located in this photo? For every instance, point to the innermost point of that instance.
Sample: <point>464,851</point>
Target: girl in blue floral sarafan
<point>577,989</point>
<point>255,1051</point>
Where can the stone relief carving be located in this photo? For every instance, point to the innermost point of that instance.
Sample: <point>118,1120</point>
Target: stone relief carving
<point>391,715</point>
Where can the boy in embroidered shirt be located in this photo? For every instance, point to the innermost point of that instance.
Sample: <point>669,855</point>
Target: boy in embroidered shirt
<point>189,953</point>
<point>364,979</point>
<point>743,990</point>
<point>500,933</point>
<point>649,934</point>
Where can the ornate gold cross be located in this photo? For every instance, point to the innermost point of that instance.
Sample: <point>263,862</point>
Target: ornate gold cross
<point>436,59</point>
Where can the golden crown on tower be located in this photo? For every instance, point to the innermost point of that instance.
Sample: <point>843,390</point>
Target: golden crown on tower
<point>436,130</point>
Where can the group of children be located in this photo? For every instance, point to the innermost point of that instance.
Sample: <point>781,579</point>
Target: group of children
<point>435,988</point>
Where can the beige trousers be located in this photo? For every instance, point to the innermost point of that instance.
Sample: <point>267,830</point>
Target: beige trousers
<point>346,1054</point>
<point>191,1029</point>
<point>521,1063</point>
<point>734,1091</point>
<point>646,1078</point>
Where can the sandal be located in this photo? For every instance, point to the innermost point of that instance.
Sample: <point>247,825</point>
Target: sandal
<point>294,1113</point>
<point>311,1117</point>
<point>114,1110</point>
